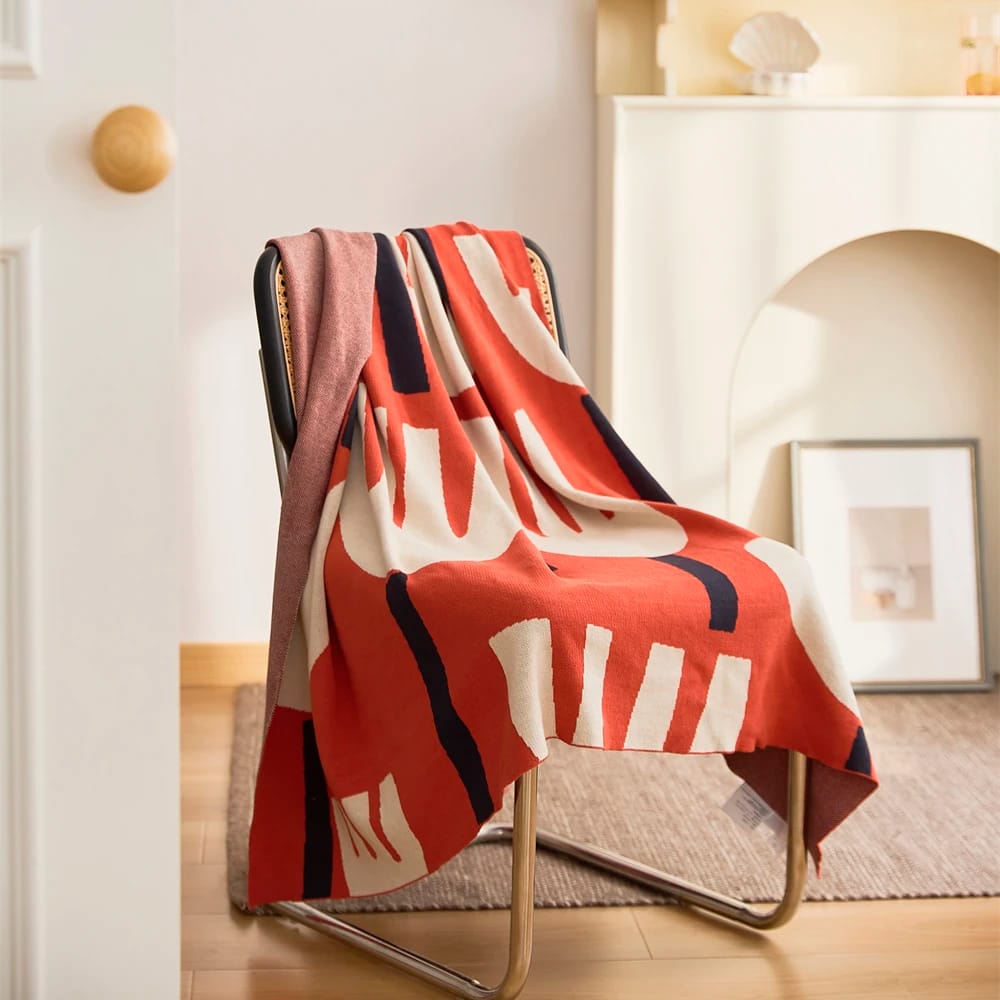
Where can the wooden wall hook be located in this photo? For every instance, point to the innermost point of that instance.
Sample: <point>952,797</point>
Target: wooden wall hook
<point>133,148</point>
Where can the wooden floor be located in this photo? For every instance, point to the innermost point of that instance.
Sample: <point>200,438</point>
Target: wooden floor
<point>933,949</point>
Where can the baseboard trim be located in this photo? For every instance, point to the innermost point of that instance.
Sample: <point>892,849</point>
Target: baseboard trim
<point>223,664</point>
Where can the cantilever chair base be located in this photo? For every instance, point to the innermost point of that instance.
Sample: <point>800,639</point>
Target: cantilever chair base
<point>272,316</point>
<point>524,837</point>
<point>682,891</point>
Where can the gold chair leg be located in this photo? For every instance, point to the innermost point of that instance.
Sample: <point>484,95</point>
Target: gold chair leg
<point>687,892</point>
<point>522,832</point>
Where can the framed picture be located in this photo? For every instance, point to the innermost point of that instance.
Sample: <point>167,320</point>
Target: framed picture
<point>891,530</point>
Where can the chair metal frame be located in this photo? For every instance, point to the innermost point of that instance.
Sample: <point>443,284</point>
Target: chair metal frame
<point>522,833</point>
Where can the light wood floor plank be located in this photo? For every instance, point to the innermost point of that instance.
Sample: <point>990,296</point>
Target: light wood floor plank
<point>965,975</point>
<point>215,842</point>
<point>206,759</point>
<point>871,926</point>
<point>938,975</point>
<point>351,982</point>
<point>211,664</point>
<point>192,842</point>
<point>206,719</point>
<point>203,798</point>
<point>203,890</point>
<point>187,985</point>
<point>235,941</point>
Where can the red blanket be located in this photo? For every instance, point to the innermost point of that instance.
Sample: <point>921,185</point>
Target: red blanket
<point>493,569</point>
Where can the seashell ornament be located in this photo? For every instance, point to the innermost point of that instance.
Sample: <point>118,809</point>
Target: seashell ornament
<point>779,49</point>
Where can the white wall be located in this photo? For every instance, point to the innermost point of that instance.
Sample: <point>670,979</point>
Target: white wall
<point>893,336</point>
<point>373,116</point>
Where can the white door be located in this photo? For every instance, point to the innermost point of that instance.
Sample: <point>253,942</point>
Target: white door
<point>89,891</point>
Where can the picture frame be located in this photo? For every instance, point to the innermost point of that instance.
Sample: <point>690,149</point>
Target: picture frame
<point>892,532</point>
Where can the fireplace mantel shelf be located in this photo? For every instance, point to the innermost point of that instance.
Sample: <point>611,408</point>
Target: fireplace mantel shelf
<point>708,206</point>
<point>736,102</point>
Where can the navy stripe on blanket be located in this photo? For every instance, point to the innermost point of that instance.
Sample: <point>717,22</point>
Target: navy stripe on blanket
<point>636,473</point>
<point>430,253</point>
<point>403,349</point>
<point>457,741</point>
<point>860,758</point>
<point>722,597</point>
<point>350,419</point>
<point>317,856</point>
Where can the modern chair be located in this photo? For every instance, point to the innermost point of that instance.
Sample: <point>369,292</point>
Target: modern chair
<point>279,381</point>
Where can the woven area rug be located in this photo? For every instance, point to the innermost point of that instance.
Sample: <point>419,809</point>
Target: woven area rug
<point>930,830</point>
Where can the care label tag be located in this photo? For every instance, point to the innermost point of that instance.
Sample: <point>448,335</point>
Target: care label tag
<point>778,827</point>
<point>747,809</point>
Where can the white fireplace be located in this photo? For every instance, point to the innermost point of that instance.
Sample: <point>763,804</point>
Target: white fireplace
<point>771,270</point>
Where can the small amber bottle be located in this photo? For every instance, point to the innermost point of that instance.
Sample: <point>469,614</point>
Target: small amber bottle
<point>981,53</point>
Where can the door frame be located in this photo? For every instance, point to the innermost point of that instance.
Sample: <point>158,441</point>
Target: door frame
<point>19,652</point>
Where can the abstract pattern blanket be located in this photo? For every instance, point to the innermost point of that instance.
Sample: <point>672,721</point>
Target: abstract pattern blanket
<point>494,569</point>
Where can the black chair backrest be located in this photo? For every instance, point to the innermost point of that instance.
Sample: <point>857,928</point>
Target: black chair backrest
<point>275,353</point>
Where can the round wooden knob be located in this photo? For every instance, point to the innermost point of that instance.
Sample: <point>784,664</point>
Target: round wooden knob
<point>133,148</point>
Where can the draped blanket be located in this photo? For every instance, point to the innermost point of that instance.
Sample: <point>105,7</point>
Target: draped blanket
<point>492,569</point>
